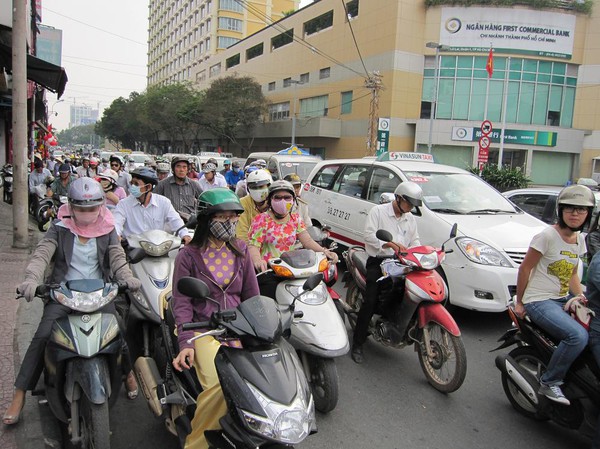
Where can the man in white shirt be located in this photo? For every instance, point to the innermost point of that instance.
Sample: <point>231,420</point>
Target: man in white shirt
<point>86,170</point>
<point>37,177</point>
<point>142,211</point>
<point>394,217</point>
<point>210,180</point>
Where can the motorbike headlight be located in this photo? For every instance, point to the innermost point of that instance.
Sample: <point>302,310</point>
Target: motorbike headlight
<point>61,337</point>
<point>482,253</point>
<point>316,296</point>
<point>156,250</point>
<point>288,424</point>
<point>140,299</point>
<point>86,302</point>
<point>428,261</point>
<point>110,331</point>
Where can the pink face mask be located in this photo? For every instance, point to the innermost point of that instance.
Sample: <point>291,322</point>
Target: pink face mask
<point>281,207</point>
<point>86,218</point>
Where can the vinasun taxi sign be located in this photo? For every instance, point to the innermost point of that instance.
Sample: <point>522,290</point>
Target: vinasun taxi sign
<point>406,156</point>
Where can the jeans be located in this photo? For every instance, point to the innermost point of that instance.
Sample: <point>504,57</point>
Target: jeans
<point>551,317</point>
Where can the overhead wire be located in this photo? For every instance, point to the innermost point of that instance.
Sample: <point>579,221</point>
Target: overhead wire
<point>354,39</point>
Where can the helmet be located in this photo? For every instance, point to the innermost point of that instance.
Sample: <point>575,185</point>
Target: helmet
<point>236,164</point>
<point>217,200</point>
<point>109,175</point>
<point>576,195</point>
<point>411,192</point>
<point>94,162</point>
<point>212,160</point>
<point>209,166</point>
<point>64,168</point>
<point>293,179</point>
<point>115,158</point>
<point>249,169</point>
<point>258,178</point>
<point>86,192</point>
<point>261,163</point>
<point>104,160</point>
<point>162,167</point>
<point>85,158</point>
<point>281,185</point>
<point>145,174</point>
<point>226,162</point>
<point>178,159</point>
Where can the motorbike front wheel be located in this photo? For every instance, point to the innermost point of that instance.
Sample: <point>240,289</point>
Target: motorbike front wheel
<point>528,359</point>
<point>94,424</point>
<point>446,368</point>
<point>323,383</point>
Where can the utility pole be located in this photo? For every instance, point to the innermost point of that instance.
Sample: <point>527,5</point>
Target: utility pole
<point>19,124</point>
<point>373,82</point>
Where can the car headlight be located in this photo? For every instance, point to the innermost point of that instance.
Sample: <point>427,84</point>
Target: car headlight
<point>316,296</point>
<point>156,250</point>
<point>289,424</point>
<point>427,261</point>
<point>482,253</point>
<point>86,302</point>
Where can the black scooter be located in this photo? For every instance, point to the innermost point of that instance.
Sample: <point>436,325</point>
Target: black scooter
<point>523,366</point>
<point>7,178</point>
<point>268,398</point>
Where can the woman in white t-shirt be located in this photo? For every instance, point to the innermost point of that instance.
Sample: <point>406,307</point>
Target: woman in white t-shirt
<point>546,277</point>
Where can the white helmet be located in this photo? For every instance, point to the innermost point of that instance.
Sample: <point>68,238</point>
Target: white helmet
<point>258,178</point>
<point>411,192</point>
<point>163,167</point>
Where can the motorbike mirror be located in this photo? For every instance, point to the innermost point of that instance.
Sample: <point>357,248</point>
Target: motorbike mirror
<point>312,281</point>
<point>193,287</point>
<point>454,230</point>
<point>316,234</point>
<point>386,198</point>
<point>136,255</point>
<point>384,235</point>
<point>192,222</point>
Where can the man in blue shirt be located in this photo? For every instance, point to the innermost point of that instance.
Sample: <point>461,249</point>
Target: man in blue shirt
<point>234,175</point>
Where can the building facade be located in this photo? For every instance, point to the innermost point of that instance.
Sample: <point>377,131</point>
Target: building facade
<point>318,65</point>
<point>82,114</point>
<point>183,33</point>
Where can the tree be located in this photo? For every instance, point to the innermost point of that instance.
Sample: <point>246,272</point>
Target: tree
<point>118,122</point>
<point>78,135</point>
<point>233,107</point>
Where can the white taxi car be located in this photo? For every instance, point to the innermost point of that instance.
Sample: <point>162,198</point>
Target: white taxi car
<point>493,235</point>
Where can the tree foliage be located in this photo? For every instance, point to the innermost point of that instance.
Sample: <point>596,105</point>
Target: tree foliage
<point>82,135</point>
<point>503,179</point>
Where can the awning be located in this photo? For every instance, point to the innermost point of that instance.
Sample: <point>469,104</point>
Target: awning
<point>52,77</point>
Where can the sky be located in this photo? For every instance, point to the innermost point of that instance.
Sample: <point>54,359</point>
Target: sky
<point>104,51</point>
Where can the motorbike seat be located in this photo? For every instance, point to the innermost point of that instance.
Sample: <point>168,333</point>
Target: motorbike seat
<point>359,259</point>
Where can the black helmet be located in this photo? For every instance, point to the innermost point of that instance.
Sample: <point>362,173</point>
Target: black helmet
<point>64,168</point>
<point>218,200</point>
<point>146,174</point>
<point>281,185</point>
<point>177,159</point>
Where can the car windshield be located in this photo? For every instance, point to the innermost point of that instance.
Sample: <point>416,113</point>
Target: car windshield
<point>302,169</point>
<point>459,193</point>
<point>138,158</point>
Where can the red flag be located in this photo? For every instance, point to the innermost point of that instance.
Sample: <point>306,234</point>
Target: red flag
<point>489,66</point>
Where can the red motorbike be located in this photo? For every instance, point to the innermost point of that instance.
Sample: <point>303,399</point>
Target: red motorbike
<point>409,309</point>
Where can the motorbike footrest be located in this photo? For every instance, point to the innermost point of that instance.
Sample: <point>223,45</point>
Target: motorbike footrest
<point>173,398</point>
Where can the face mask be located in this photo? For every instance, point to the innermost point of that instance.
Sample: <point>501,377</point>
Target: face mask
<point>135,190</point>
<point>222,231</point>
<point>259,195</point>
<point>86,218</point>
<point>281,207</point>
<point>236,170</point>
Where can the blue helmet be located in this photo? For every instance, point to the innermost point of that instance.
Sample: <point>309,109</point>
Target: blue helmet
<point>146,174</point>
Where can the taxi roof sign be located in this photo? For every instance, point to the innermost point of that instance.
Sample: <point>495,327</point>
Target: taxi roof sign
<point>405,156</point>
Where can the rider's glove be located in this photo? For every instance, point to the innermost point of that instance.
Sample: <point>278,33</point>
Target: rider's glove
<point>133,283</point>
<point>27,289</point>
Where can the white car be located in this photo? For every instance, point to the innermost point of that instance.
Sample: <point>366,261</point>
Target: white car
<point>137,159</point>
<point>493,235</point>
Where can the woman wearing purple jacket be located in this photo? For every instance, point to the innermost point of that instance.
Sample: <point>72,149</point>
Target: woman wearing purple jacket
<point>216,257</point>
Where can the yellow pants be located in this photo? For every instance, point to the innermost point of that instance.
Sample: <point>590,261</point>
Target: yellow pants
<point>210,405</point>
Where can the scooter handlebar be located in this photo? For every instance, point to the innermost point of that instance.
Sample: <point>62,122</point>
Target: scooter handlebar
<point>196,325</point>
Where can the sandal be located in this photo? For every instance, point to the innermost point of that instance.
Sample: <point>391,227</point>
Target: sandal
<point>11,420</point>
<point>131,386</point>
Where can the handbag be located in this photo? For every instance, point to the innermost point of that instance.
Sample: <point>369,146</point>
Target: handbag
<point>579,311</point>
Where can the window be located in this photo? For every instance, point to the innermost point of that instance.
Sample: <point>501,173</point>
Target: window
<point>314,107</point>
<point>227,23</point>
<point>255,51</point>
<point>318,23</point>
<point>214,70</point>
<point>287,82</point>
<point>352,181</point>
<point>232,61</point>
<point>231,5</point>
<point>279,111</point>
<point>282,39</point>
<point>324,73</point>
<point>346,107</point>
<point>271,86</point>
<point>226,42</point>
<point>352,9</point>
<point>382,181</point>
<point>324,178</point>
<point>304,78</point>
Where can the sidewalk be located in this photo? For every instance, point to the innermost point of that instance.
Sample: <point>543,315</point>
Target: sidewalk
<point>18,322</point>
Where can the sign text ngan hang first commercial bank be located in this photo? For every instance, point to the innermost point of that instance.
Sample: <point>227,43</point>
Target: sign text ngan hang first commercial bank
<point>511,31</point>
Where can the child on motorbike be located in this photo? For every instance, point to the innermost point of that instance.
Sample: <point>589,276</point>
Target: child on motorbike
<point>275,231</point>
<point>84,245</point>
<point>221,260</point>
<point>546,277</point>
<point>114,193</point>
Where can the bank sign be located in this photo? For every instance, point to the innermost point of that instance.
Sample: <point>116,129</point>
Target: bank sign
<point>508,31</point>
<point>513,136</point>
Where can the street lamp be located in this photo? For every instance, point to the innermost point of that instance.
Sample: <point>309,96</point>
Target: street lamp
<point>433,110</point>
<point>52,109</point>
<point>294,111</point>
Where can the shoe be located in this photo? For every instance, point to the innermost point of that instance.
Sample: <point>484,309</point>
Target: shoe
<point>554,393</point>
<point>357,354</point>
<point>11,420</point>
<point>131,386</point>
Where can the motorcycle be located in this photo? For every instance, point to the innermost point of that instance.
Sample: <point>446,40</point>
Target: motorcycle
<point>522,367</point>
<point>48,210</point>
<point>7,178</point>
<point>268,398</point>
<point>82,363</point>
<point>321,335</point>
<point>409,309</point>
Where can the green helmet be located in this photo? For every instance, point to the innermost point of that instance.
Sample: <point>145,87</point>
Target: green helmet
<point>218,200</point>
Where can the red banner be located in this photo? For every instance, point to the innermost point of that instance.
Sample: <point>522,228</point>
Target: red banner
<point>489,67</point>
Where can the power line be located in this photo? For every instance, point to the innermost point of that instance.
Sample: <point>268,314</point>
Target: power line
<point>354,38</point>
<point>106,62</point>
<point>108,70</point>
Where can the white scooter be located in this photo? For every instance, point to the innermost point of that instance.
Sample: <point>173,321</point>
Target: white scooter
<point>321,335</point>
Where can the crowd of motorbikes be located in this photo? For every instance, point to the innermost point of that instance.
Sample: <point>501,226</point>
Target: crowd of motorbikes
<point>285,368</point>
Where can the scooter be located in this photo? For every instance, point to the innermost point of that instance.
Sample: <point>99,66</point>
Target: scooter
<point>82,371</point>
<point>268,398</point>
<point>7,177</point>
<point>522,367</point>
<point>48,210</point>
<point>414,315</point>
<point>321,335</point>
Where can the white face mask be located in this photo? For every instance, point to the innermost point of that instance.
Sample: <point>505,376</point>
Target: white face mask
<point>259,195</point>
